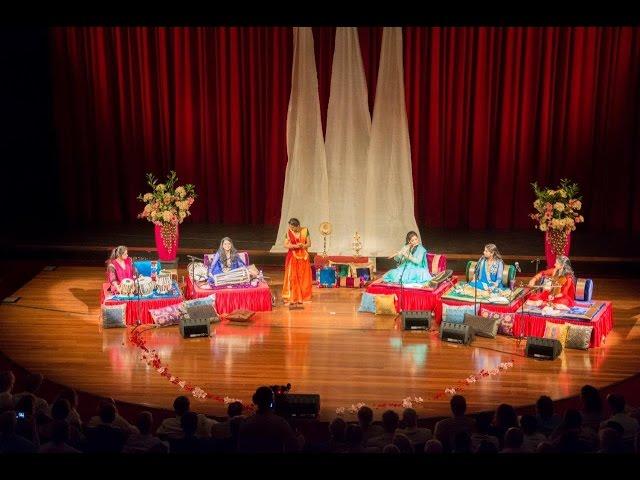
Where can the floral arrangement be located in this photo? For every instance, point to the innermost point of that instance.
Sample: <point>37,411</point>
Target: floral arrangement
<point>167,205</point>
<point>557,211</point>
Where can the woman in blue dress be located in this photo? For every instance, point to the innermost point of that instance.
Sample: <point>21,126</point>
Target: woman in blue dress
<point>412,263</point>
<point>489,268</point>
<point>225,259</point>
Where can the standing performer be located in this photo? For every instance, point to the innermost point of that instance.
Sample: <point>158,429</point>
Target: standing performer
<point>412,263</point>
<point>297,284</point>
<point>489,268</point>
<point>119,267</point>
<point>558,285</point>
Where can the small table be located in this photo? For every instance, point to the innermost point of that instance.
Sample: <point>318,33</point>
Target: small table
<point>139,306</point>
<point>228,299</point>
<point>321,261</point>
<point>532,325</point>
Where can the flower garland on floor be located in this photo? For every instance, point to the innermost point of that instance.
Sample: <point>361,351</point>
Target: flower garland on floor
<point>471,379</point>
<point>151,358</point>
<point>409,402</point>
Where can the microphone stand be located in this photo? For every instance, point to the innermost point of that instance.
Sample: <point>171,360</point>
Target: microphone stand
<point>137,283</point>
<point>402,286</point>
<point>476,271</point>
<point>537,262</point>
<point>191,277</point>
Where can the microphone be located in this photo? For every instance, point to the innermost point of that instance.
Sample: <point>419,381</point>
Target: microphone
<point>517,265</point>
<point>537,259</point>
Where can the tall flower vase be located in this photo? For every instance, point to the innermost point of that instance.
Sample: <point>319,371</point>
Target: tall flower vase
<point>167,242</point>
<point>556,243</point>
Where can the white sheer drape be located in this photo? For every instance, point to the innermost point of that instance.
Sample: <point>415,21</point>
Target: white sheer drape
<point>306,194</point>
<point>362,181</point>
<point>389,183</point>
<point>347,141</point>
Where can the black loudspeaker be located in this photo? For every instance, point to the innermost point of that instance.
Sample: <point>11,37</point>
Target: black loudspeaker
<point>544,348</point>
<point>416,319</point>
<point>194,327</point>
<point>456,333</point>
<point>297,405</point>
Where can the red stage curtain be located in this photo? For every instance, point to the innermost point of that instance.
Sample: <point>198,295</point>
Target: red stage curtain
<point>490,109</point>
<point>208,102</point>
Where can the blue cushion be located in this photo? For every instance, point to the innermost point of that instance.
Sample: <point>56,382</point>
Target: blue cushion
<point>144,267</point>
<point>328,276</point>
<point>368,303</point>
<point>114,316</point>
<point>455,313</point>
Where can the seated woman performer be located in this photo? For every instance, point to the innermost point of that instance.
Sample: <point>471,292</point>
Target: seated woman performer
<point>412,263</point>
<point>225,259</point>
<point>558,286</point>
<point>119,267</point>
<point>489,268</point>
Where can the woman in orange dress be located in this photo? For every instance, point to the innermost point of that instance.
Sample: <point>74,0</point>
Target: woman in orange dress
<point>558,286</point>
<point>297,284</point>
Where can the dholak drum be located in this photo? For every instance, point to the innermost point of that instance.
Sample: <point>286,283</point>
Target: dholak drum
<point>127,287</point>
<point>163,284</point>
<point>197,271</point>
<point>328,277</point>
<point>145,286</point>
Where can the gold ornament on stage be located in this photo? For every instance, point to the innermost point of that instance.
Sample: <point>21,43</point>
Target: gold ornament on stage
<point>325,230</point>
<point>357,244</point>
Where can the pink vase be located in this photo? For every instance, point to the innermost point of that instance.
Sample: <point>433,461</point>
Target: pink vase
<point>548,250</point>
<point>167,242</point>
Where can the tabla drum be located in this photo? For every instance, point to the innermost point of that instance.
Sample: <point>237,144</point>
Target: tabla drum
<point>163,283</point>
<point>127,287</point>
<point>145,286</point>
<point>197,271</point>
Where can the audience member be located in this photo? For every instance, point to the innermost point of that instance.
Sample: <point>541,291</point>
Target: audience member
<point>446,430</point>
<point>171,428</point>
<point>59,439</point>
<point>417,435</point>
<point>531,436</point>
<point>145,441</point>
<point>264,431</point>
<point>548,421</point>
<point>369,430</point>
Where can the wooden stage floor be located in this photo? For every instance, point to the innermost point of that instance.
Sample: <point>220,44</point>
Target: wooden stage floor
<point>327,348</point>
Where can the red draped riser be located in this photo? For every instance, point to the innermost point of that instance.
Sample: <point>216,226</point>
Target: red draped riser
<point>490,109</point>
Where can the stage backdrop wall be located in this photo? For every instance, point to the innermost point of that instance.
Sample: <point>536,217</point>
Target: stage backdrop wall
<point>490,109</point>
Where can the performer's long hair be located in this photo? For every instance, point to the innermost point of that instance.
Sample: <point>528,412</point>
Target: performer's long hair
<point>565,268</point>
<point>116,253</point>
<point>494,251</point>
<point>222,254</point>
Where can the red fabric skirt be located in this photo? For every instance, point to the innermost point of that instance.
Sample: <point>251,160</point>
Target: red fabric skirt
<point>256,299</point>
<point>526,325</point>
<point>414,298</point>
